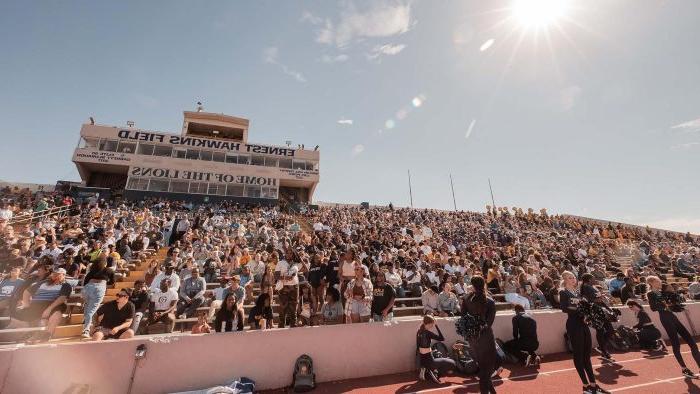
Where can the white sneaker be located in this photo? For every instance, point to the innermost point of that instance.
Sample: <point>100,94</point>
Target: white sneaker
<point>528,361</point>
<point>183,316</point>
<point>497,372</point>
<point>86,334</point>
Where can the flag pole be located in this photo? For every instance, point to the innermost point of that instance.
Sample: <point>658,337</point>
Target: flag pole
<point>491,189</point>
<point>452,185</point>
<point>410,192</point>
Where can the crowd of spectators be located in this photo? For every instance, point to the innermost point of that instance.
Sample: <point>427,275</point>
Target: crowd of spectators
<point>230,267</point>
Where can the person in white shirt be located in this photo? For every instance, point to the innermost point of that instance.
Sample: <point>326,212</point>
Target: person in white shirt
<point>162,306</point>
<point>394,280</point>
<point>413,280</point>
<point>169,272</point>
<point>288,287</point>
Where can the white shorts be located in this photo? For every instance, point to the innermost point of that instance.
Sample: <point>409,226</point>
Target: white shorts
<point>356,307</point>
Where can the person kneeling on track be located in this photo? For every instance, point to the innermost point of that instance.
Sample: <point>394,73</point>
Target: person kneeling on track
<point>649,336</point>
<point>431,368</point>
<point>524,342</point>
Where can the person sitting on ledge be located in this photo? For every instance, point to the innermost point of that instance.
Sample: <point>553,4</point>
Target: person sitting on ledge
<point>113,319</point>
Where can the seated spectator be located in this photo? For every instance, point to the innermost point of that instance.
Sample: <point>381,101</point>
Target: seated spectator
<point>168,272</point>
<point>332,310</point>
<point>512,293</point>
<point>383,298</point>
<point>162,306</point>
<point>627,291</point>
<point>429,299</point>
<point>694,289</point>
<point>202,326</point>
<point>191,294</point>
<point>113,319</point>
<point>9,290</point>
<point>45,306</point>
<point>261,314</point>
<point>139,297</point>
<point>616,284</point>
<point>358,294</point>
<point>448,305</point>
<point>413,280</point>
<point>524,342</point>
<point>229,315</point>
<point>247,282</point>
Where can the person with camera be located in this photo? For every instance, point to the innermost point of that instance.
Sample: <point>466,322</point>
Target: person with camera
<point>666,303</point>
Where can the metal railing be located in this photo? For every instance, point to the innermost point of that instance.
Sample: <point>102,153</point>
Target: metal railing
<point>31,217</point>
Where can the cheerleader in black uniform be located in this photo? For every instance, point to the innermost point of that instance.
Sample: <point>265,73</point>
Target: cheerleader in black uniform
<point>430,367</point>
<point>478,303</point>
<point>578,332</point>
<point>658,302</point>
<point>603,334</point>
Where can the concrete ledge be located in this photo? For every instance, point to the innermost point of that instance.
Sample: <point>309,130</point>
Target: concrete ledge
<point>180,362</point>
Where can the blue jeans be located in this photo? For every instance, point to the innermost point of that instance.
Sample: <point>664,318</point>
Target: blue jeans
<point>379,318</point>
<point>93,293</point>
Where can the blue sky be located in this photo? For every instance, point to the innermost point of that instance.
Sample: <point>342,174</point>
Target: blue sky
<point>601,119</point>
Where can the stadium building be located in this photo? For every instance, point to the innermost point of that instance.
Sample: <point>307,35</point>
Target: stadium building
<point>210,160</point>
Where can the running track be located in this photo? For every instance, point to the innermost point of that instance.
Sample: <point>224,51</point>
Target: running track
<point>635,372</point>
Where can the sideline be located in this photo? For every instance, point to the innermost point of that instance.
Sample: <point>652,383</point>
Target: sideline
<point>546,373</point>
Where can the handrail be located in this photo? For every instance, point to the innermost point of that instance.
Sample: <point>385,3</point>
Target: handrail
<point>30,217</point>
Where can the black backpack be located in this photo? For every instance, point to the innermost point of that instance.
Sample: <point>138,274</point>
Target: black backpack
<point>629,335</point>
<point>464,360</point>
<point>439,350</point>
<point>304,378</point>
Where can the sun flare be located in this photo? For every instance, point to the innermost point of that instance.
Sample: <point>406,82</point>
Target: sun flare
<point>539,13</point>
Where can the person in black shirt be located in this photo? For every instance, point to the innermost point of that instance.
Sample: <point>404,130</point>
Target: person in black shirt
<point>524,337</point>
<point>261,313</point>
<point>578,333</point>
<point>113,319</point>
<point>603,335</point>
<point>229,315</point>
<point>383,300</point>
<point>139,297</point>
<point>431,367</point>
<point>674,328</point>
<point>478,303</point>
<point>317,274</point>
<point>332,270</point>
<point>649,335</point>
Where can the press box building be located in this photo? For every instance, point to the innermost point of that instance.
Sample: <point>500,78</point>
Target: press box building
<point>210,160</point>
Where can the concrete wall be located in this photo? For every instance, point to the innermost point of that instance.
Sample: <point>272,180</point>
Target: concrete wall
<point>187,362</point>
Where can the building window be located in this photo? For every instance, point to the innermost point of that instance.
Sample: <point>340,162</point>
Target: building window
<point>198,188</point>
<point>285,163</point>
<point>244,159</point>
<point>158,185</point>
<point>179,186</point>
<point>252,191</point>
<point>270,162</point>
<point>126,147</point>
<point>258,160</point>
<point>162,150</point>
<point>269,192</point>
<point>218,156</point>
<point>231,158</point>
<point>234,190</point>
<point>179,153</point>
<point>89,143</point>
<point>137,184</point>
<point>108,145</point>
<point>205,155</point>
<point>217,189</point>
<point>299,165</point>
<point>145,149</point>
<point>192,154</point>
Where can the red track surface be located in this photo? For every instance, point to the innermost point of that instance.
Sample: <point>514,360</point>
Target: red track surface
<point>635,372</point>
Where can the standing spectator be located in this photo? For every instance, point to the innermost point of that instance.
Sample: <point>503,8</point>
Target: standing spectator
<point>113,319</point>
<point>94,288</point>
<point>383,298</point>
<point>191,294</point>
<point>162,306</point>
<point>288,285</point>
<point>359,297</point>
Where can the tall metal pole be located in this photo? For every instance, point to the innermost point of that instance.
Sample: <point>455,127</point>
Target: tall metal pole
<point>452,185</point>
<point>410,192</point>
<point>491,189</point>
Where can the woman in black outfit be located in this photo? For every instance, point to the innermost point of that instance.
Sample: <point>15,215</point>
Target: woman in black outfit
<point>479,304</point>
<point>229,314</point>
<point>649,335</point>
<point>428,364</point>
<point>578,332</point>
<point>674,328</point>
<point>261,311</point>
<point>604,334</point>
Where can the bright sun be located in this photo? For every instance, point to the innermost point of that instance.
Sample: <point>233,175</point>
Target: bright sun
<point>538,13</point>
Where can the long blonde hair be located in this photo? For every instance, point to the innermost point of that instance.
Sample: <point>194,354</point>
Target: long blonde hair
<point>651,279</point>
<point>564,275</point>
